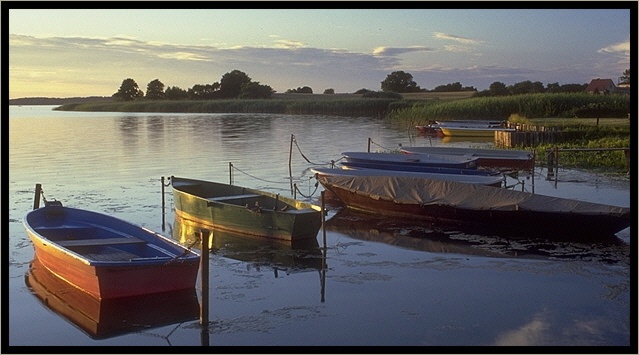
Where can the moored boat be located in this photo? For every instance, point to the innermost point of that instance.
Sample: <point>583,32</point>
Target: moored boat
<point>473,131</point>
<point>245,210</point>
<point>450,202</point>
<point>497,158</point>
<point>423,160</point>
<point>470,123</point>
<point>495,180</point>
<point>359,165</point>
<point>108,257</point>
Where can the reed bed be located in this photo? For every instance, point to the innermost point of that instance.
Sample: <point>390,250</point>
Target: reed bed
<point>566,105</point>
<point>338,107</point>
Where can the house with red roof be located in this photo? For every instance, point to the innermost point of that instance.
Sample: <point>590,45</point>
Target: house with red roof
<point>601,86</point>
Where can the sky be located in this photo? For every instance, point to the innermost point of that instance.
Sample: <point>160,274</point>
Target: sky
<point>83,52</point>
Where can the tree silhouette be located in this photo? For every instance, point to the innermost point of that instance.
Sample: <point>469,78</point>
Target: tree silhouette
<point>128,91</point>
<point>231,84</point>
<point>155,90</point>
<point>399,81</point>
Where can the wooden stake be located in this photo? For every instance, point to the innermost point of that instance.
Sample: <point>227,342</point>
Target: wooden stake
<point>290,170</point>
<point>204,270</point>
<point>36,198</point>
<point>163,204</point>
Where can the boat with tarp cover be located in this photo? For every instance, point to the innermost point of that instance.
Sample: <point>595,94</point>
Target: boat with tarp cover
<point>450,202</point>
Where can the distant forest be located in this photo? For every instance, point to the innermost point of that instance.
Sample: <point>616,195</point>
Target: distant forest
<point>58,101</point>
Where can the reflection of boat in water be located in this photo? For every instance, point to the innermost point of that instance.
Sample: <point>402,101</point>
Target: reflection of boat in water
<point>302,255</point>
<point>463,241</point>
<point>404,235</point>
<point>107,318</point>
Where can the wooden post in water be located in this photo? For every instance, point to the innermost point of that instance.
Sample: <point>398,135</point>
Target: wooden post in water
<point>323,272</point>
<point>323,218</point>
<point>290,170</point>
<point>556,154</point>
<point>204,270</point>
<point>550,164</point>
<point>369,145</point>
<point>230,173</point>
<point>163,204</point>
<point>36,198</point>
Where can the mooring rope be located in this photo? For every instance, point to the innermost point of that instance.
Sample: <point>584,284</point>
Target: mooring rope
<point>385,148</point>
<point>257,178</point>
<point>304,156</point>
<point>312,194</point>
<point>185,252</point>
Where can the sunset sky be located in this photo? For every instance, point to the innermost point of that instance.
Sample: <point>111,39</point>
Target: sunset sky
<point>80,52</point>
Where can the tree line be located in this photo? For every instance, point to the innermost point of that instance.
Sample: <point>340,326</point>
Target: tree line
<point>238,85</point>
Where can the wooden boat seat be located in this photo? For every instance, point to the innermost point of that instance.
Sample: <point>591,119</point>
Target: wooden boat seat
<point>99,241</point>
<point>303,210</point>
<point>232,197</point>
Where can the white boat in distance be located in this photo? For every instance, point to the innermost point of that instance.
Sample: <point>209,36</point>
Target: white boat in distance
<point>470,123</point>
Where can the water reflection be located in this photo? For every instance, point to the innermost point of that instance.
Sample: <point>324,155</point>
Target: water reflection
<point>101,319</point>
<point>423,237</point>
<point>257,252</point>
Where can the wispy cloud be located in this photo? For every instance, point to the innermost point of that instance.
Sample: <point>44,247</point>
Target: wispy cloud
<point>395,51</point>
<point>622,48</point>
<point>284,43</point>
<point>449,37</point>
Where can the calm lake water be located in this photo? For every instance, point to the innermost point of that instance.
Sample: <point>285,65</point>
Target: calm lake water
<point>385,283</point>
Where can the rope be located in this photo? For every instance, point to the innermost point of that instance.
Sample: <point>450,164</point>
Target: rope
<point>312,194</point>
<point>185,252</point>
<point>385,148</point>
<point>257,178</point>
<point>304,156</point>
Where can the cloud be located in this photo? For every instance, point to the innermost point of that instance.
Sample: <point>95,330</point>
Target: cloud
<point>622,48</point>
<point>449,37</point>
<point>183,56</point>
<point>41,62</point>
<point>284,43</point>
<point>395,51</point>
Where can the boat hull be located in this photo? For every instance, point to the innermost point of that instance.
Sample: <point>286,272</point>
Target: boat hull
<point>495,181</point>
<point>415,168</point>
<point>492,158</point>
<point>508,211</point>
<point>255,214</point>
<point>423,161</point>
<point>472,131</point>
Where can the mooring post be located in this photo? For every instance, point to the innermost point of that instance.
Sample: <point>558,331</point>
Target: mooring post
<point>556,153</point>
<point>551,165</point>
<point>290,156</point>
<point>369,145</point>
<point>36,198</point>
<point>230,173</point>
<point>204,270</point>
<point>323,218</point>
<point>163,204</point>
<point>294,190</point>
<point>323,272</point>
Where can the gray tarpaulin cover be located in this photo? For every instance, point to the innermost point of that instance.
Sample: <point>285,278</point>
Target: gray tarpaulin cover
<point>408,190</point>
